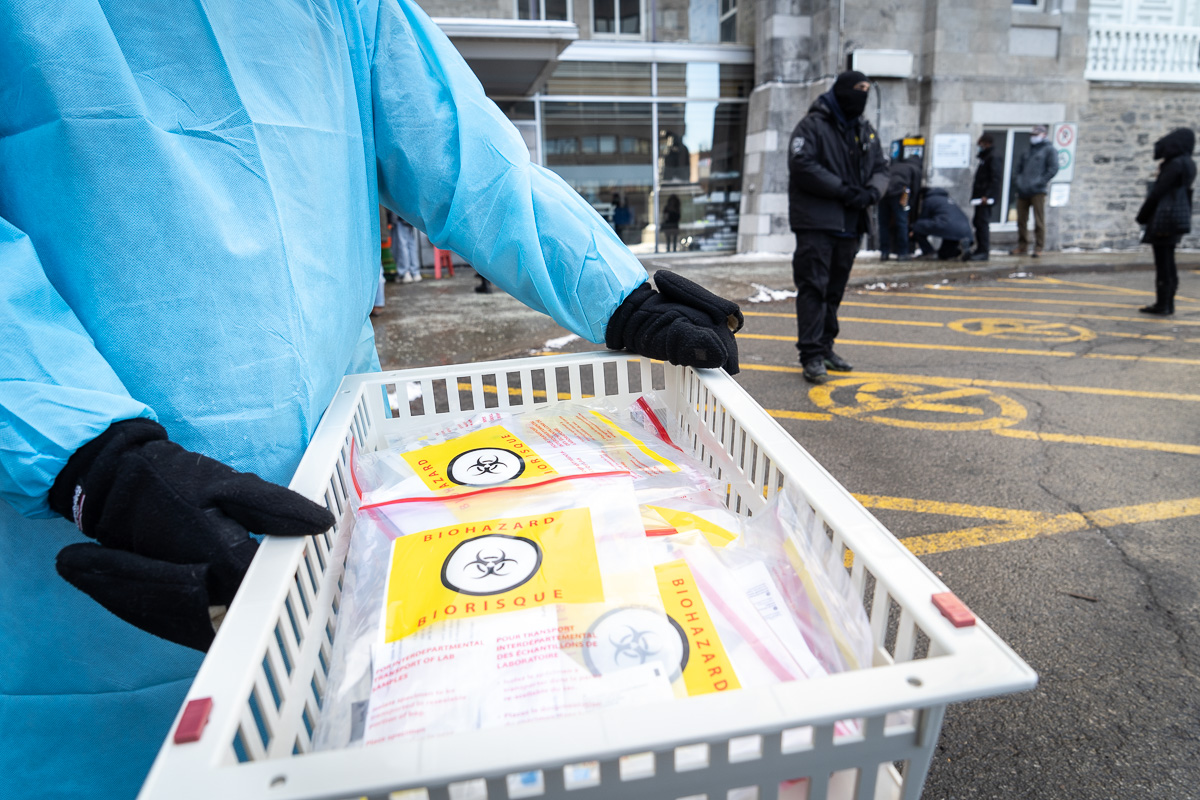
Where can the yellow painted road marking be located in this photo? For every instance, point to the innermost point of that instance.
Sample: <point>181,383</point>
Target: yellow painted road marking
<point>1018,525</point>
<point>1149,336</point>
<point>808,415</point>
<point>991,384</point>
<point>1022,329</point>
<point>959,309</point>
<point>925,296</point>
<point>971,288</point>
<point>911,323</point>
<point>1006,351</point>
<point>926,324</point>
<point>916,346</point>
<point>1103,441</point>
<point>871,400</point>
<point>1120,289</point>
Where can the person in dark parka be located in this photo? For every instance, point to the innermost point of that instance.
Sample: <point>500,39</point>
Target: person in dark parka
<point>903,185</point>
<point>940,217</point>
<point>1164,215</point>
<point>836,170</point>
<point>986,190</point>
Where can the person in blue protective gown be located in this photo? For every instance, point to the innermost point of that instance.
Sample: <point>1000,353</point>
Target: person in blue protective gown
<point>188,257</point>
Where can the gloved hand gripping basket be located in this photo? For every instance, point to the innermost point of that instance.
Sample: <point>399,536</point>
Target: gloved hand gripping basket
<point>246,729</point>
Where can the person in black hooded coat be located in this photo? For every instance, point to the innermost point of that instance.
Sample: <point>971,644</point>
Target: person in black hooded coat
<point>1178,170</point>
<point>836,170</point>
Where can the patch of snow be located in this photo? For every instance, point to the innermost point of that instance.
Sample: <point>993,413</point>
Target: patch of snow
<point>560,342</point>
<point>1022,275</point>
<point>765,294</point>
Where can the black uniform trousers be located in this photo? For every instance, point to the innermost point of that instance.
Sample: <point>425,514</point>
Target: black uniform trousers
<point>820,268</point>
<point>983,231</point>
<point>1166,276</point>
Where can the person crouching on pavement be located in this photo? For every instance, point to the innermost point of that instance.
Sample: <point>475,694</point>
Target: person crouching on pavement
<point>940,217</point>
<point>836,170</point>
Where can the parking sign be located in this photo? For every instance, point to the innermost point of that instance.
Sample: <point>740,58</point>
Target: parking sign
<point>1064,137</point>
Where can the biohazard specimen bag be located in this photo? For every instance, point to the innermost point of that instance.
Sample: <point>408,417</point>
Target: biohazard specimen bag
<point>520,567</point>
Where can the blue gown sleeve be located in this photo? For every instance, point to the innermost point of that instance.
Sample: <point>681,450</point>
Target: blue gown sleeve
<point>452,165</point>
<point>56,391</point>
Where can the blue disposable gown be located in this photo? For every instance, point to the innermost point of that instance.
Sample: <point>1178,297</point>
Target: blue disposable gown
<point>189,232</point>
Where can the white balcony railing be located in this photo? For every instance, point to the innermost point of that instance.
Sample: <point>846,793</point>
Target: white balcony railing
<point>1143,53</point>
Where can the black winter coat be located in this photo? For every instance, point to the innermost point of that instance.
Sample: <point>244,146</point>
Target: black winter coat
<point>987,176</point>
<point>827,156</point>
<point>940,217</point>
<point>1177,168</point>
<point>1035,168</point>
<point>905,173</point>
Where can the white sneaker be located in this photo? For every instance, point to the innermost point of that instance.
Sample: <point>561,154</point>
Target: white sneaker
<point>416,278</point>
<point>407,278</point>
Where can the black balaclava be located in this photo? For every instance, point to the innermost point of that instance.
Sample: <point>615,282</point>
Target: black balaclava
<point>851,101</point>
<point>1178,142</point>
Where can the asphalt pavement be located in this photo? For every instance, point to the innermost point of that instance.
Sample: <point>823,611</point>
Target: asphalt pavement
<point>1024,430</point>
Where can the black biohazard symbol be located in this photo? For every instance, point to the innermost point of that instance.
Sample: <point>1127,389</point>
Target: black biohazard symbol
<point>485,466</point>
<point>635,645</point>
<point>634,635</point>
<point>491,564</point>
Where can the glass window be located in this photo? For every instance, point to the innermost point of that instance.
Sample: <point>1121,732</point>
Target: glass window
<point>617,16</point>
<point>705,80</point>
<point>700,179</point>
<point>729,20</point>
<point>542,9</point>
<point>1009,145</point>
<point>600,77</point>
<point>618,181</point>
<point>687,21</point>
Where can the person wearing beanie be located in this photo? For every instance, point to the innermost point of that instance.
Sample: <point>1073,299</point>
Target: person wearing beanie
<point>1167,213</point>
<point>836,170</point>
<point>1035,167</point>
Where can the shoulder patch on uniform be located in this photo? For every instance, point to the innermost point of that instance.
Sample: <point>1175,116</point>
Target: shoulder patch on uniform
<point>797,145</point>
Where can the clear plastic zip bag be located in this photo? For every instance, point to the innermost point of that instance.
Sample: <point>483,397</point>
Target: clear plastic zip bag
<point>505,448</point>
<point>495,607</point>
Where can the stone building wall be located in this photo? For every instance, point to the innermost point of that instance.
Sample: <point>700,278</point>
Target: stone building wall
<point>977,64</point>
<point>1114,160</point>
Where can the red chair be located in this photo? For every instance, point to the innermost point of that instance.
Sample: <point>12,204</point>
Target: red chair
<point>442,259</point>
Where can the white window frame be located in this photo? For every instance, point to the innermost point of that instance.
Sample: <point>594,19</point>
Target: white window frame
<point>1037,7</point>
<point>639,36</point>
<point>1006,188</point>
<point>721,18</point>
<point>542,11</point>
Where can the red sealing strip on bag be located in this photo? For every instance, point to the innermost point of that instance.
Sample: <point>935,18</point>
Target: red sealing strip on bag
<point>195,717</point>
<point>954,610</point>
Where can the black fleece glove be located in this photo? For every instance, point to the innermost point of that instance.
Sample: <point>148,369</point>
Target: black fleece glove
<point>682,323</point>
<point>856,197</point>
<point>171,526</point>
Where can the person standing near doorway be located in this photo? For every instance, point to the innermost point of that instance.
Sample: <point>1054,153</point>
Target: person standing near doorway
<point>1035,168</point>
<point>836,170</point>
<point>984,192</point>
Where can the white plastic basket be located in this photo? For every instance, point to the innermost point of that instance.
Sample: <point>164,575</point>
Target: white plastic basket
<point>266,671</point>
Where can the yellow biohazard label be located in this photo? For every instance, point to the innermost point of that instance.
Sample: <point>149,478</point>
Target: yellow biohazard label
<point>613,429</point>
<point>477,568</point>
<point>707,668</point>
<point>683,522</point>
<point>486,457</point>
